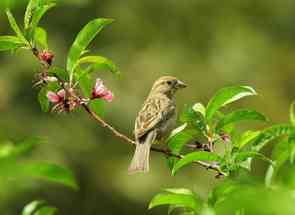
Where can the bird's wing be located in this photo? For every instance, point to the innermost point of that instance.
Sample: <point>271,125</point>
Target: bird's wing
<point>154,111</point>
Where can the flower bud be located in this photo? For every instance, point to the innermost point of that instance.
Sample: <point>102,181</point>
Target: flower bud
<point>46,56</point>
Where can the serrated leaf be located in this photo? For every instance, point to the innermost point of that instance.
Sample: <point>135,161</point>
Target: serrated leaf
<point>43,100</point>
<point>240,115</point>
<point>50,172</point>
<point>83,39</point>
<point>270,134</point>
<point>225,96</point>
<point>40,37</point>
<point>10,43</point>
<point>292,113</point>
<point>15,27</point>
<point>98,62</point>
<point>32,207</point>
<point>186,201</point>
<point>195,156</point>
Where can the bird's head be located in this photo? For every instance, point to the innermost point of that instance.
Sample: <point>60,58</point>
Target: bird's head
<point>167,85</point>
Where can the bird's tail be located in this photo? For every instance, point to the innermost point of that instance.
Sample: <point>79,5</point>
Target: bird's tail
<point>140,161</point>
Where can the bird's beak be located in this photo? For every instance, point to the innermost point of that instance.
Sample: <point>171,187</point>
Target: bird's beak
<point>180,84</point>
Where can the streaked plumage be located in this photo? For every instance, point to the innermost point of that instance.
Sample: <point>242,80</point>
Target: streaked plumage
<point>155,120</point>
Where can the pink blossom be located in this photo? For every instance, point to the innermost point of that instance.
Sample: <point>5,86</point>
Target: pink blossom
<point>100,91</point>
<point>108,97</point>
<point>61,93</point>
<point>56,97</point>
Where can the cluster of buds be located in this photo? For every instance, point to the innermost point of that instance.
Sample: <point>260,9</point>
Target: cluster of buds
<point>66,100</point>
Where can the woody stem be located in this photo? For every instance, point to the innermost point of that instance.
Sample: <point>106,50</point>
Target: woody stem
<point>126,139</point>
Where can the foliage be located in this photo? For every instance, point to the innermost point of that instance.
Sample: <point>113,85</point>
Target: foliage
<point>235,195</point>
<point>204,128</point>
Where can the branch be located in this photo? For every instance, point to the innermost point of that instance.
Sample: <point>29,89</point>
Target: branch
<point>126,139</point>
<point>118,134</point>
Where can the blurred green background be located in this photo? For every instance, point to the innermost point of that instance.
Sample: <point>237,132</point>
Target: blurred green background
<point>208,44</point>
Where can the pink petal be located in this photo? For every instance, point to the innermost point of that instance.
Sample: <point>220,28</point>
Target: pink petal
<point>61,93</point>
<point>53,97</point>
<point>109,96</point>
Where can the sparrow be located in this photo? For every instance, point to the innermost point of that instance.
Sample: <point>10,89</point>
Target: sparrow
<point>155,120</point>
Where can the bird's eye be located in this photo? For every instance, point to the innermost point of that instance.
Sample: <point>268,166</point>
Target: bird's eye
<point>169,82</point>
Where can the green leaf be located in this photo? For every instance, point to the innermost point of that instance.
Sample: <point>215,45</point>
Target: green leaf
<point>40,37</point>
<point>32,207</point>
<point>83,39</point>
<point>32,5</point>
<point>98,62</point>
<point>86,83</point>
<point>43,100</point>
<point>292,113</point>
<point>199,107</point>
<point>246,138</point>
<point>225,96</point>
<point>179,137</point>
<point>280,155</point>
<point>269,175</point>
<point>240,115</point>
<point>193,117</point>
<point>221,191</point>
<point>10,43</point>
<point>270,134</point>
<point>38,14</point>
<point>46,211</point>
<point>10,150</point>
<point>242,156</point>
<point>50,172</point>
<point>195,156</point>
<point>182,200</point>
<point>15,27</point>
<point>291,147</point>
<point>207,211</point>
<point>179,191</point>
<point>59,72</point>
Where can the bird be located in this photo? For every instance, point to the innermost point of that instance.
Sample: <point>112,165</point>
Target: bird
<point>155,120</point>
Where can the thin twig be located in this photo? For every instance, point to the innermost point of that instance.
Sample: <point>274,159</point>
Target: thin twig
<point>126,139</point>
<point>132,142</point>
